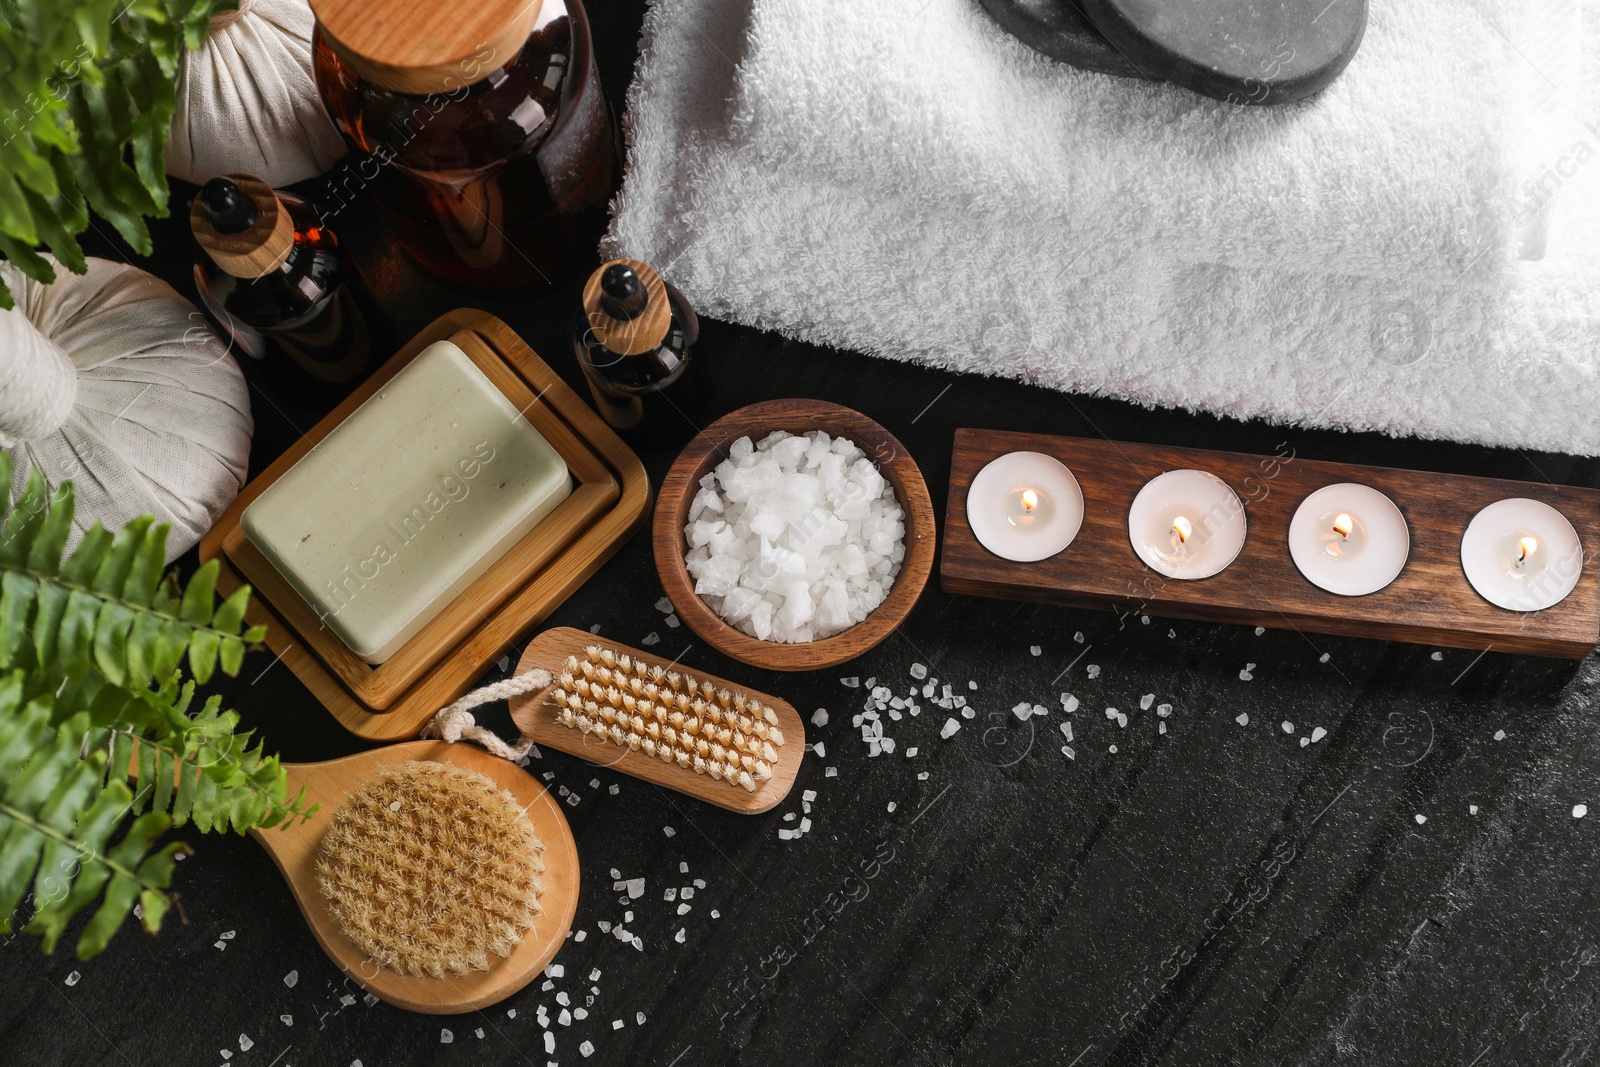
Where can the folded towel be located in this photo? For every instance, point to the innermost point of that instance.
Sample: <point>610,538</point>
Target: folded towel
<point>915,184</point>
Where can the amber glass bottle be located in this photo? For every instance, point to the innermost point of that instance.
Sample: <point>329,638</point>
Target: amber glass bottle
<point>272,275</point>
<point>632,338</point>
<point>479,130</point>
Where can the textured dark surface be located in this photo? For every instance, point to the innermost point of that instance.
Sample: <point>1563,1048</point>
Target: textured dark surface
<point>1215,894</point>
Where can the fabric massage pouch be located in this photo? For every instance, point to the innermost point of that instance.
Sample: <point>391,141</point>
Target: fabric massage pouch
<point>113,381</point>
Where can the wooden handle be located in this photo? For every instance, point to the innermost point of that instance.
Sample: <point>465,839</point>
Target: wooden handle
<point>630,337</point>
<point>253,252</point>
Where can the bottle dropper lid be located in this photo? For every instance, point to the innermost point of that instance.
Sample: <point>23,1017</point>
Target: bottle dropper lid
<point>241,224</point>
<point>626,303</point>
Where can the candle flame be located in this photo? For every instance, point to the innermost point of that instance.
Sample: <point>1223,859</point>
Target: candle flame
<point>1529,546</point>
<point>1030,500</point>
<point>1181,527</point>
<point>1343,524</point>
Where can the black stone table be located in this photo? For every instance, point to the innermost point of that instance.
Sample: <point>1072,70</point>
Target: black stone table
<point>1337,851</point>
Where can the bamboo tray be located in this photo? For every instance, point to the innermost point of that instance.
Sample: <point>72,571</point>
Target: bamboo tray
<point>395,699</point>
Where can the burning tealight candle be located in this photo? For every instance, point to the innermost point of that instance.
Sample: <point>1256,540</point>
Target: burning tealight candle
<point>1349,539</point>
<point>1521,554</point>
<point>1025,506</point>
<point>1186,524</point>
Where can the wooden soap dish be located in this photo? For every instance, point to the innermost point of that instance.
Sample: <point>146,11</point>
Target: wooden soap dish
<point>797,416</point>
<point>536,718</point>
<point>1430,602</point>
<point>393,700</point>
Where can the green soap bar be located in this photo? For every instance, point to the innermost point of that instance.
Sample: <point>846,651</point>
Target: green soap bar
<point>412,497</point>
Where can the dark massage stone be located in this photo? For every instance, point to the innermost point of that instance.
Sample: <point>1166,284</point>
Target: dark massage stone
<point>1060,30</point>
<point>1239,51</point>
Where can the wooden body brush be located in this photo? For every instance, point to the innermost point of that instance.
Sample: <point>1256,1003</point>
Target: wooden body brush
<point>625,708</point>
<point>381,873</point>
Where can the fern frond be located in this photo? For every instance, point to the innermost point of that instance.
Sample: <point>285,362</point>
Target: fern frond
<point>107,607</point>
<point>57,818</point>
<point>84,112</point>
<point>205,772</point>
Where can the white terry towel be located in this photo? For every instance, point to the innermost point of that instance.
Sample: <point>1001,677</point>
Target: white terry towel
<point>906,180</point>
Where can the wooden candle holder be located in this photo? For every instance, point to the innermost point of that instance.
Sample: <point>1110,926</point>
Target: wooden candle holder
<point>1431,602</point>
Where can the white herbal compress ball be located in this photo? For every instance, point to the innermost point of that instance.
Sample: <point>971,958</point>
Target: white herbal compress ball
<point>247,101</point>
<point>113,381</point>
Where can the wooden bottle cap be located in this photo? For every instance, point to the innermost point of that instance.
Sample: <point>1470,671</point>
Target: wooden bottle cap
<point>622,335</point>
<point>259,248</point>
<point>426,46</point>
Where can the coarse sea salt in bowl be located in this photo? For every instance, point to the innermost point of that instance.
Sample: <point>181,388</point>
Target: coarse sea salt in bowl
<point>812,511</point>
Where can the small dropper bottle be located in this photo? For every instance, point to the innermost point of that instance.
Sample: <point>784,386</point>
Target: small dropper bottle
<point>273,272</point>
<point>632,338</point>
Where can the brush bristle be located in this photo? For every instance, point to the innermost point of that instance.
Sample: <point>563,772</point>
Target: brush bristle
<point>676,718</point>
<point>429,867</point>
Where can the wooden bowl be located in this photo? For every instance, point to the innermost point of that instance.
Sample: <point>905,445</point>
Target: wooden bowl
<point>797,416</point>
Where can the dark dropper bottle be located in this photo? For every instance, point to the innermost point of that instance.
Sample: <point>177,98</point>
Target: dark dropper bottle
<point>632,338</point>
<point>273,273</point>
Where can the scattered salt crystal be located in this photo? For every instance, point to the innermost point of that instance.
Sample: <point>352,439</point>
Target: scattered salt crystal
<point>1472,809</point>
<point>73,978</point>
<point>809,795</point>
<point>672,622</point>
<point>595,628</point>
<point>830,772</point>
<point>819,717</point>
<point>580,935</point>
<point>968,713</point>
<point>1580,810</point>
<point>972,685</point>
<point>1122,720</point>
<point>1066,750</point>
<point>1112,749</point>
<point>1288,727</point>
<point>638,1017</point>
<point>1022,710</point>
<point>445,1037</point>
<point>287,1020</point>
<point>820,749</point>
<point>1318,733</point>
<point>549,1043</point>
<point>684,909</point>
<point>669,831</point>
<point>635,888</point>
<point>918,671</point>
<point>893,805</point>
<point>1161,727</point>
<point>1069,702</point>
<point>1243,718</point>
<point>504,662</point>
<point>922,776</point>
<point>1245,675</point>
<point>1111,713</point>
<point>651,638</point>
<point>949,729</point>
<point>786,835</point>
<point>1146,700</point>
<point>1078,637</point>
<point>1325,657</point>
<point>850,683</point>
<point>291,978</point>
<point>1499,735</point>
<point>664,605</point>
<point>1437,656</point>
<point>1093,670</point>
<point>910,752</point>
<point>563,999</point>
<point>1420,819</point>
<point>1304,741</point>
<point>1066,730</point>
<point>587,1049</point>
<point>1034,650</point>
